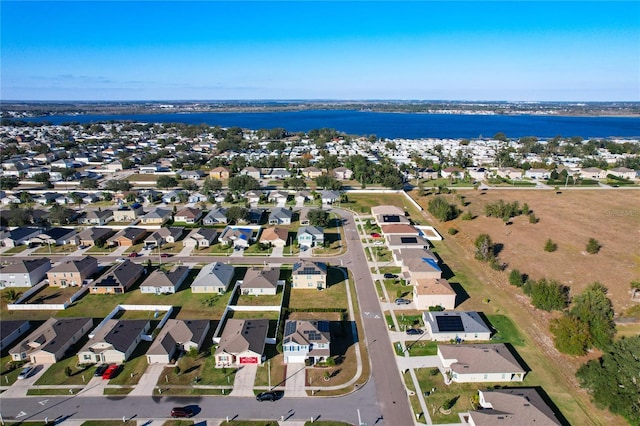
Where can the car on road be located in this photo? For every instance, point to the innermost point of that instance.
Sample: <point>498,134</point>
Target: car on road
<point>390,276</point>
<point>100,370</point>
<point>414,331</point>
<point>165,255</point>
<point>267,396</point>
<point>182,412</point>
<point>26,372</point>
<point>402,301</point>
<point>120,260</point>
<point>134,254</point>
<point>110,372</point>
<point>375,235</point>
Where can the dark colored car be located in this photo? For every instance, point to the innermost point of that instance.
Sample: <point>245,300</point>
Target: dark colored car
<point>267,396</point>
<point>110,372</point>
<point>402,301</point>
<point>414,331</point>
<point>388,276</point>
<point>182,412</point>
<point>134,254</point>
<point>100,370</point>
<point>165,255</point>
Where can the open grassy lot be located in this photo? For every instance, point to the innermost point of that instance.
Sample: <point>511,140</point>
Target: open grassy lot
<point>270,315</point>
<point>488,291</point>
<point>506,331</point>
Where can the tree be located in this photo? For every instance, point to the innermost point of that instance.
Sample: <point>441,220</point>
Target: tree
<point>613,379</point>
<point>243,183</point>
<point>68,371</point>
<point>189,185</point>
<point>18,216</point>
<point>441,209</point>
<point>296,183</point>
<point>60,214</point>
<point>516,278</point>
<point>166,182</point>
<point>44,178</point>
<point>594,308</point>
<point>484,248</point>
<point>570,335</point>
<point>11,294</point>
<point>88,183</point>
<point>593,246</point>
<point>550,246</point>
<point>211,185</point>
<point>318,217</point>
<point>548,295</point>
<point>8,182</point>
<point>117,185</point>
<point>236,213</point>
<point>328,182</point>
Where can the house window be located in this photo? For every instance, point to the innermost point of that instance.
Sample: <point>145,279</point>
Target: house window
<point>486,376</point>
<point>87,357</point>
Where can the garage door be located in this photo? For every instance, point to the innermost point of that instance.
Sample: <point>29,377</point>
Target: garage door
<point>295,359</point>
<point>248,360</point>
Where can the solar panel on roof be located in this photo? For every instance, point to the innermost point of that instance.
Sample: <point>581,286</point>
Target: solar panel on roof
<point>323,325</point>
<point>391,219</point>
<point>408,240</point>
<point>447,323</point>
<point>289,328</point>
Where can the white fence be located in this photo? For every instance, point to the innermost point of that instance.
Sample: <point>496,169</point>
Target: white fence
<point>20,306</point>
<point>119,308</point>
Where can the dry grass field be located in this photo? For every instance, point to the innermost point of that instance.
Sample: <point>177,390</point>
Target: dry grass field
<point>569,219</point>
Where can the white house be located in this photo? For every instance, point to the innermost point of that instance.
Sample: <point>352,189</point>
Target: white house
<point>310,236</point>
<point>213,278</point>
<point>24,273</point>
<point>261,281</point>
<point>114,342</point>
<point>306,340</point>
<point>161,282</point>
<point>433,292</point>
<point>445,326</point>
<point>480,363</point>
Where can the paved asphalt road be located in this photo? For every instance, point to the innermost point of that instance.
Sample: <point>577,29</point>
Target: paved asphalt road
<point>389,392</point>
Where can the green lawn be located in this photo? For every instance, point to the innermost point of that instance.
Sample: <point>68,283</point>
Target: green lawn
<point>14,250</point>
<point>216,249</point>
<point>9,371</point>
<point>55,375</point>
<point>335,296</point>
<point>201,367</point>
<point>96,250</point>
<point>53,249</point>
<point>261,300</point>
<point>53,391</point>
<point>406,319</point>
<point>397,289</point>
<point>258,250</point>
<point>417,348</point>
<point>507,332</point>
<point>133,369</point>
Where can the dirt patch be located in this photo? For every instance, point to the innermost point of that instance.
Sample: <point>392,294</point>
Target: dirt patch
<point>569,219</point>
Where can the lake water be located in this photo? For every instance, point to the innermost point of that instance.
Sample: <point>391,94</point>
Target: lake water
<point>392,125</point>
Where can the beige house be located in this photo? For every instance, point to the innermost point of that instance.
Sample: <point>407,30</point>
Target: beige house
<point>433,292</point>
<point>176,336</point>
<point>261,281</point>
<point>128,213</point>
<point>623,172</point>
<point>275,236</point>
<point>417,264</point>
<point>480,363</point>
<point>49,342</point>
<point>72,272</point>
<point>242,342</point>
<point>309,275</point>
<point>514,406</point>
<point>220,173</point>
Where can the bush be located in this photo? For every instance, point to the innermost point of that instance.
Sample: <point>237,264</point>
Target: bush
<point>450,403</point>
<point>550,246</point>
<point>549,295</point>
<point>442,210</point>
<point>533,218</point>
<point>484,248</point>
<point>437,308</point>
<point>525,209</point>
<point>570,335</point>
<point>516,278</point>
<point>502,210</point>
<point>452,231</point>
<point>593,246</point>
<point>466,216</point>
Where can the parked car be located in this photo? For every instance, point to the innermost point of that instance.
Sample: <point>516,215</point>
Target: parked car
<point>182,412</point>
<point>375,235</point>
<point>26,372</point>
<point>100,370</point>
<point>378,243</point>
<point>134,254</point>
<point>110,372</point>
<point>165,255</point>
<point>402,301</point>
<point>390,276</point>
<point>267,396</point>
<point>414,331</point>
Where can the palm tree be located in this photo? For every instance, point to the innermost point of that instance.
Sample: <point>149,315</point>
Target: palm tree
<point>11,295</point>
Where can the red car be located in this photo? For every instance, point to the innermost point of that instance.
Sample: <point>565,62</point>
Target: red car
<point>110,372</point>
<point>165,255</point>
<point>134,254</point>
<point>375,235</point>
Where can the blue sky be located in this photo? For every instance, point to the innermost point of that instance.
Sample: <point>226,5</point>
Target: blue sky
<point>454,50</point>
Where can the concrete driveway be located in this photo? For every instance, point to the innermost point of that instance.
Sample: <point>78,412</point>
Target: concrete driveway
<point>296,381</point>
<point>243,383</point>
<point>20,387</point>
<point>148,381</point>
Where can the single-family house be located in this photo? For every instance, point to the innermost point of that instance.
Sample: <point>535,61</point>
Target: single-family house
<point>54,236</point>
<point>510,173</point>
<point>72,273</point>
<point>19,236</point>
<point>306,340</point>
<point>261,281</point>
<point>213,278</point>
<point>127,237</point>
<point>623,172</point>
<point>163,236</point>
<point>433,292</point>
<point>491,362</point>
<point>390,219</point>
<point>161,282</point>
<point>11,330</point>
<point>119,279</point>
<point>398,229</point>
<point>342,173</point>
<point>417,263</point>
<point>128,213</point>
<point>513,406</point>
<point>399,242</point>
<point>453,172</point>
<point>275,236</point>
<point>188,215</point>
<point>97,217</point>
<point>197,197</point>
<point>92,237</point>
<point>278,197</point>
<point>24,273</point>
<point>157,216</point>
<point>114,342</point>
<point>201,238</point>
<point>302,196</point>
<point>251,171</point>
<point>48,343</point>
<point>445,326</point>
<point>311,172</point>
<point>426,173</point>
<point>379,211</point>
<point>593,173</point>
<point>175,337</point>
<point>307,274</point>
<point>220,173</point>
<point>256,215</point>
<point>537,174</point>
<point>173,196</point>
<point>215,216</point>
<point>191,174</point>
<point>254,196</point>
<point>280,216</point>
<point>329,196</point>
<point>242,342</point>
<point>278,174</point>
<point>310,236</point>
<point>237,237</point>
